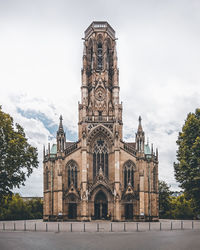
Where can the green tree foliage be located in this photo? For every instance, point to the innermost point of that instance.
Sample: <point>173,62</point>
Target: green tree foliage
<point>164,200</point>
<point>13,207</point>
<point>17,156</point>
<point>187,169</point>
<point>171,207</point>
<point>181,208</point>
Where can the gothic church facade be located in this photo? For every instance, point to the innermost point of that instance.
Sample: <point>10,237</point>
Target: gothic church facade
<point>100,176</point>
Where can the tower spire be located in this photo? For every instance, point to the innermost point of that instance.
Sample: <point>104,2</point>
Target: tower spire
<point>60,130</point>
<point>140,138</point>
<point>60,137</point>
<point>140,124</point>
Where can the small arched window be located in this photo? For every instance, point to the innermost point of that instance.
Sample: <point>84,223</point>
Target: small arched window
<point>154,179</point>
<point>99,56</point>
<point>72,173</point>
<point>128,174</point>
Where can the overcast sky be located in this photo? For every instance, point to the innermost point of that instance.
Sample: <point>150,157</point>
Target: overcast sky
<point>158,58</point>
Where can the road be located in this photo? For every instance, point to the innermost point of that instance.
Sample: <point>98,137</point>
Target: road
<point>149,240</point>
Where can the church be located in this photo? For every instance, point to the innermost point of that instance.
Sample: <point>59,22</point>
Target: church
<point>100,176</point>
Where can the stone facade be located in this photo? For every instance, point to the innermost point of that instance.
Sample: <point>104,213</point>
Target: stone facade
<point>100,176</point>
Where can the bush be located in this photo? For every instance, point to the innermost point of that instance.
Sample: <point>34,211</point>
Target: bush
<point>13,207</point>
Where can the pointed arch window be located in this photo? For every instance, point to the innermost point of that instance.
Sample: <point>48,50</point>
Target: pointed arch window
<point>47,179</point>
<point>128,174</point>
<point>99,56</point>
<point>91,54</point>
<point>72,173</point>
<point>100,158</point>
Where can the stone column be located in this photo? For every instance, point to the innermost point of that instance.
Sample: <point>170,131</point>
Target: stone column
<point>59,189</point>
<point>117,213</point>
<point>84,204</point>
<point>141,195</point>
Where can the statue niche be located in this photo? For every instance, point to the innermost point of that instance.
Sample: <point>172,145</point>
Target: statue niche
<point>100,103</point>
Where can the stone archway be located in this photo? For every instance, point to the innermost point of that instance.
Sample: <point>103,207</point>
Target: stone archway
<point>129,211</point>
<point>100,206</point>
<point>72,207</point>
<point>128,207</point>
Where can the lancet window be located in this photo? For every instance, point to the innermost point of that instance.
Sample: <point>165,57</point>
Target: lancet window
<point>99,56</point>
<point>100,158</point>
<point>128,174</point>
<point>47,178</point>
<point>72,172</point>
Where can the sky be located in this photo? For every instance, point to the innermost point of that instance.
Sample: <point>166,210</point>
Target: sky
<point>158,50</point>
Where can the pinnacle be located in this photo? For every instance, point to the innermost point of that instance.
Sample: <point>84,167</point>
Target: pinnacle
<point>61,125</point>
<point>140,124</point>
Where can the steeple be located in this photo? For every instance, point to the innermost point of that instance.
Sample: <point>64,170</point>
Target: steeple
<point>140,130</point>
<point>140,137</point>
<point>60,137</point>
<point>60,129</point>
<point>100,81</point>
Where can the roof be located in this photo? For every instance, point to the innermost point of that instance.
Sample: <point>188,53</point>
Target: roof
<point>68,143</point>
<point>131,144</point>
<point>53,149</point>
<point>100,26</point>
<point>147,150</point>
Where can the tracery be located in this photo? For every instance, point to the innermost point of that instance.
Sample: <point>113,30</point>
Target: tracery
<point>100,157</point>
<point>128,174</point>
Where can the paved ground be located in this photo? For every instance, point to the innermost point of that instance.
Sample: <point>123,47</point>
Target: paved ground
<point>149,240</point>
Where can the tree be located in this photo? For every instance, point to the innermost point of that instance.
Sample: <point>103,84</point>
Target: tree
<point>17,157</point>
<point>13,207</point>
<point>36,208</point>
<point>164,199</point>
<point>187,169</point>
<point>181,208</point>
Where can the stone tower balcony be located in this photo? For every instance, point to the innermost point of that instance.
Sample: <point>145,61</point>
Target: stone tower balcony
<point>99,27</point>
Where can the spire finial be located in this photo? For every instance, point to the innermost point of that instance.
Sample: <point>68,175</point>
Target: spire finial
<point>157,153</point>
<point>60,125</point>
<point>152,148</point>
<point>140,124</point>
<point>60,129</point>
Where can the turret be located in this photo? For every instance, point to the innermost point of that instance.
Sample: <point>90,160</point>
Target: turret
<point>157,154</point>
<point>140,137</point>
<point>60,137</point>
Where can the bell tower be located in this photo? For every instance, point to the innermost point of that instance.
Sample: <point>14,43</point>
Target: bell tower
<point>100,83</point>
<point>100,176</point>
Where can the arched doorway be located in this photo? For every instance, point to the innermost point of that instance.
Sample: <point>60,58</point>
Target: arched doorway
<point>72,207</point>
<point>100,206</point>
<point>129,211</point>
<point>72,214</point>
<point>129,207</point>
